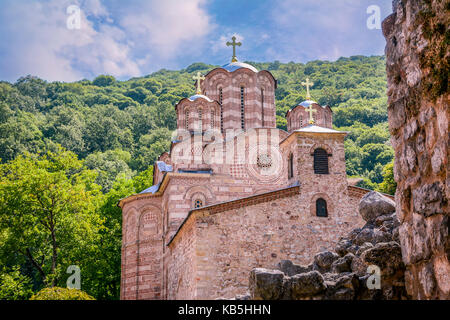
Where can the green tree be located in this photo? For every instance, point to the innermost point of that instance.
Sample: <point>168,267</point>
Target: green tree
<point>14,285</point>
<point>109,165</point>
<point>48,206</point>
<point>104,81</point>
<point>57,293</point>
<point>388,185</point>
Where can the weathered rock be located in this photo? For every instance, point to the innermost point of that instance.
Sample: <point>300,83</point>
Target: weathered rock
<point>417,67</point>
<point>343,264</point>
<point>290,269</point>
<point>306,285</point>
<point>342,288</point>
<point>323,260</point>
<point>387,256</point>
<point>374,204</point>
<point>365,246</point>
<point>342,247</point>
<point>358,266</point>
<point>266,284</point>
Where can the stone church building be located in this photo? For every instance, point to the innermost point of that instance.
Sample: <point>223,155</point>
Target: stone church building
<point>234,192</point>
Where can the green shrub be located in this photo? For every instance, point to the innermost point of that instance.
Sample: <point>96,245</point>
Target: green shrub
<point>57,293</point>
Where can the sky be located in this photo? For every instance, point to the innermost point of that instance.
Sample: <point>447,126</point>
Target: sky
<point>70,40</point>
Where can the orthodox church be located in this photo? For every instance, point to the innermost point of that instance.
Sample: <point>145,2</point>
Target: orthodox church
<point>234,192</point>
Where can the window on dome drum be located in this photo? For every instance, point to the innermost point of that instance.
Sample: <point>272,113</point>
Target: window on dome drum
<point>301,121</point>
<point>320,161</point>
<point>291,166</point>
<point>321,208</point>
<point>198,203</point>
<point>221,109</point>
<point>242,109</point>
<point>212,119</point>
<point>200,119</point>
<point>262,107</point>
<point>186,120</point>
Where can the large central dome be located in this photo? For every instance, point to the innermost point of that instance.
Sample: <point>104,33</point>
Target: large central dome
<point>232,66</point>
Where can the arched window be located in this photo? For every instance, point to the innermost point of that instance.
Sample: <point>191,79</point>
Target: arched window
<point>291,166</point>
<point>221,109</point>
<point>262,107</point>
<point>321,208</point>
<point>320,161</point>
<point>301,120</point>
<point>242,109</point>
<point>186,119</point>
<point>198,203</point>
<point>213,114</point>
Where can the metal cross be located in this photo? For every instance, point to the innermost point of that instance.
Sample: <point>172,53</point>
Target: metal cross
<point>310,110</point>
<point>307,84</point>
<point>234,44</point>
<point>198,77</point>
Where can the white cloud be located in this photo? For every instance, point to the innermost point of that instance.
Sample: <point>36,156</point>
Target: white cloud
<point>36,40</point>
<point>323,29</point>
<point>221,43</point>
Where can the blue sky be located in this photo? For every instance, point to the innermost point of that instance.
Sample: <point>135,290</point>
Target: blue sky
<point>136,37</point>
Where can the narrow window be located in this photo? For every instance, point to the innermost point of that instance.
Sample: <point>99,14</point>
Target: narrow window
<point>221,109</point>
<point>200,119</point>
<point>321,208</point>
<point>212,118</point>
<point>301,120</point>
<point>242,109</point>
<point>262,107</point>
<point>291,166</point>
<point>320,161</point>
<point>186,119</point>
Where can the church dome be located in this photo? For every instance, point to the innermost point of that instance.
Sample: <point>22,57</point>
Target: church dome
<point>232,66</point>
<point>307,103</point>
<point>197,96</point>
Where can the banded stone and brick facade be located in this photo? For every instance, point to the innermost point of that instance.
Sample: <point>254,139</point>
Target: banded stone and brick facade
<point>246,195</point>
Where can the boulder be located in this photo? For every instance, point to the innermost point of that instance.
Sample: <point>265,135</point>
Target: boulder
<point>342,246</point>
<point>344,287</point>
<point>365,246</point>
<point>358,266</point>
<point>374,204</point>
<point>323,260</point>
<point>266,284</point>
<point>305,285</point>
<point>343,264</point>
<point>386,255</point>
<point>290,269</point>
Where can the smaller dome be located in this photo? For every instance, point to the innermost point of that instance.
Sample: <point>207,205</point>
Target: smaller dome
<point>197,96</point>
<point>232,66</point>
<point>307,103</point>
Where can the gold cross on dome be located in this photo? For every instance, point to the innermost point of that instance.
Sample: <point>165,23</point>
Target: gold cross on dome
<point>307,84</point>
<point>310,110</point>
<point>198,77</point>
<point>234,44</point>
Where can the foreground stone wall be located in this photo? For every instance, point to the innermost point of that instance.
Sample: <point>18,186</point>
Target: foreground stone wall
<point>365,264</point>
<point>417,59</point>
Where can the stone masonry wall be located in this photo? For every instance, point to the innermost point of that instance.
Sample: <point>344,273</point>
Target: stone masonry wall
<point>230,243</point>
<point>417,63</point>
